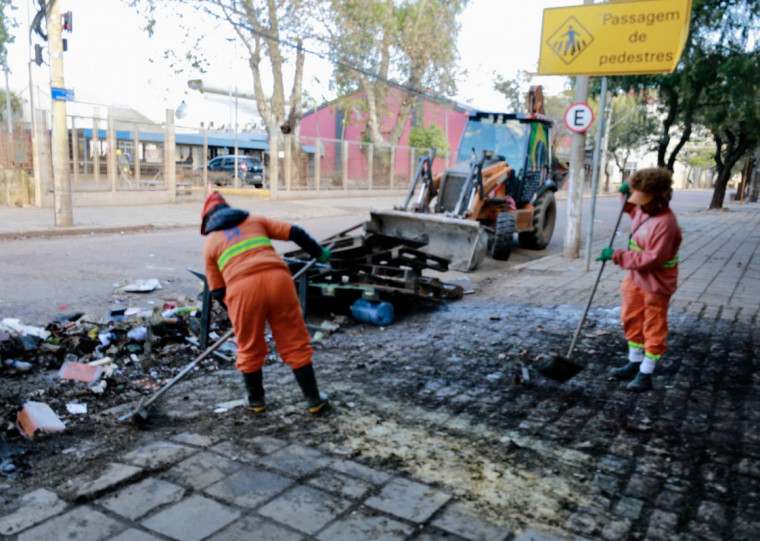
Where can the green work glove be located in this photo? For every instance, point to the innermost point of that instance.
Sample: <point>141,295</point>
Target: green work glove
<point>325,256</point>
<point>606,255</point>
<point>625,189</point>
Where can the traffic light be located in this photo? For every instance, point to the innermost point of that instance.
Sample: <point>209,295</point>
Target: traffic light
<point>38,54</point>
<point>67,21</point>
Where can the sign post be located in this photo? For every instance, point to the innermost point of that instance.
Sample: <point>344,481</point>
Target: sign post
<point>614,38</point>
<point>610,38</point>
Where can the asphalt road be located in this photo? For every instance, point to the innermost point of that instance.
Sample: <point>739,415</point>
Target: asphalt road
<point>46,277</point>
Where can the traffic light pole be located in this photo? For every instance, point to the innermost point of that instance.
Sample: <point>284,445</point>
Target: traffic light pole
<point>60,135</point>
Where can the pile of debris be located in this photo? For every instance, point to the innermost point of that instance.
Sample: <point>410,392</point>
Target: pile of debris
<point>377,267</point>
<point>82,366</point>
<point>79,366</point>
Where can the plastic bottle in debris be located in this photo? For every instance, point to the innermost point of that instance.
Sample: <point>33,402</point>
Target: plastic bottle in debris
<point>374,312</point>
<point>21,366</point>
<point>138,334</point>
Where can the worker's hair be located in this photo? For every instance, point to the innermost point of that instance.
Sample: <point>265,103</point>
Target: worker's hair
<point>653,180</point>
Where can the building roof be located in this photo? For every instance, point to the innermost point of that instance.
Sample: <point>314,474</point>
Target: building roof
<point>245,141</point>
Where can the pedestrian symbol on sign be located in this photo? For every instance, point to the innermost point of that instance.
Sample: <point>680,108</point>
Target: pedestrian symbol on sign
<point>570,40</point>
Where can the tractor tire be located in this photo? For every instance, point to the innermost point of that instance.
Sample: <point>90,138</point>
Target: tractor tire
<point>503,236</point>
<point>544,218</point>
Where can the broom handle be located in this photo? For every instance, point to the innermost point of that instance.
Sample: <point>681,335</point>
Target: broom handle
<point>189,367</point>
<point>598,277</point>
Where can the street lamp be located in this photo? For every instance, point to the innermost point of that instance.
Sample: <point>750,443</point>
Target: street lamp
<point>182,110</point>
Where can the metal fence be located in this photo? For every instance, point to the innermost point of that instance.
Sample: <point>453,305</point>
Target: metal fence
<point>307,164</point>
<point>116,155</point>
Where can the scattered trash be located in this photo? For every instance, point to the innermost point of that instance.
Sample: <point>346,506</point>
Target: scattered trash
<point>139,334</point>
<point>231,404</point>
<point>20,366</point>
<point>99,387</point>
<point>14,325</point>
<point>376,313</point>
<point>38,416</point>
<point>137,286</point>
<point>329,326</point>
<point>76,409</point>
<point>80,372</point>
<point>525,374</point>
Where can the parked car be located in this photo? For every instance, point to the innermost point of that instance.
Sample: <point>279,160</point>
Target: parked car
<point>221,170</point>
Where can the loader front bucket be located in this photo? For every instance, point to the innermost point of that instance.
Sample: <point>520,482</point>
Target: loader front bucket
<point>463,242</point>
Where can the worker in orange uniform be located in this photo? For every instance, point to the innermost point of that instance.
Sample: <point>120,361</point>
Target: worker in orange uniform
<point>652,259</point>
<point>249,277</point>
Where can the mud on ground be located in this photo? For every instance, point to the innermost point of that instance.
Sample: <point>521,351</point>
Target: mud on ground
<point>451,395</point>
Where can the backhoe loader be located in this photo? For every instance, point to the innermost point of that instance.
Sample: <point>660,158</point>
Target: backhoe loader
<point>478,205</point>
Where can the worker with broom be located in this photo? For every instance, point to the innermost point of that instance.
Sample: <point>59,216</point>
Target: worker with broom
<point>652,259</point>
<point>251,279</point>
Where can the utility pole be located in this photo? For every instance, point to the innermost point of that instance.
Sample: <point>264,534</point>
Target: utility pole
<point>575,178</point>
<point>60,135</point>
<point>8,112</point>
<point>595,177</point>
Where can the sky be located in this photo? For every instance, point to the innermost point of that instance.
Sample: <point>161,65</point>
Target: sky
<point>112,61</point>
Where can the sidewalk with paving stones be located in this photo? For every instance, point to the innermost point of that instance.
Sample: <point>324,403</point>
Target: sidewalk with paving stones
<point>706,402</point>
<point>191,487</point>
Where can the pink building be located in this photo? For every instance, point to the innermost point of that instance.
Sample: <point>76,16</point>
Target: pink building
<point>332,125</point>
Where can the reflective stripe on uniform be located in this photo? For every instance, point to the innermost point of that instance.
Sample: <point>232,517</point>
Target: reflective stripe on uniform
<point>668,264</point>
<point>241,247</point>
<point>635,345</point>
<point>652,356</point>
<point>672,263</point>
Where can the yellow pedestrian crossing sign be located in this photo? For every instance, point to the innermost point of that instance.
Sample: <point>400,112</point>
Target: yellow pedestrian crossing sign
<point>614,38</point>
<point>570,40</point>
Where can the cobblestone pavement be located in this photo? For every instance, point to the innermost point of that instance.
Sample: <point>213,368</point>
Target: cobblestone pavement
<point>679,462</point>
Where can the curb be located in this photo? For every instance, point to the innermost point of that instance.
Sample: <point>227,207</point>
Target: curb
<point>84,230</point>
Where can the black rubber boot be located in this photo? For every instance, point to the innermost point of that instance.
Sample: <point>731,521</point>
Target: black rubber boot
<point>255,387</point>
<point>643,382</point>
<point>305,377</point>
<point>628,371</point>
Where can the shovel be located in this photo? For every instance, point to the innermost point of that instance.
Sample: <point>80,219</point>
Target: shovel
<point>141,413</point>
<point>563,367</point>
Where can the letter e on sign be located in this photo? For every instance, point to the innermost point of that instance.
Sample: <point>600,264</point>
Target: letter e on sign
<point>579,117</point>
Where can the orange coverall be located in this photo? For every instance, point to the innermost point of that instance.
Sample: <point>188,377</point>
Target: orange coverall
<point>259,288</point>
<point>652,258</point>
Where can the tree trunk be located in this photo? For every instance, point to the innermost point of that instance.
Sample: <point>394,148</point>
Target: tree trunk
<point>734,153</point>
<point>754,184</point>
<point>667,122</point>
<point>719,191</point>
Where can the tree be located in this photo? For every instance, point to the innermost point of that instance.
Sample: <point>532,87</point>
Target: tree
<point>718,54</point>
<point>16,104</point>
<point>632,125</point>
<point>272,33</point>
<point>555,107</point>
<point>431,137</point>
<point>511,88</point>
<point>732,114</point>
<point>7,22</point>
<point>382,45</point>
